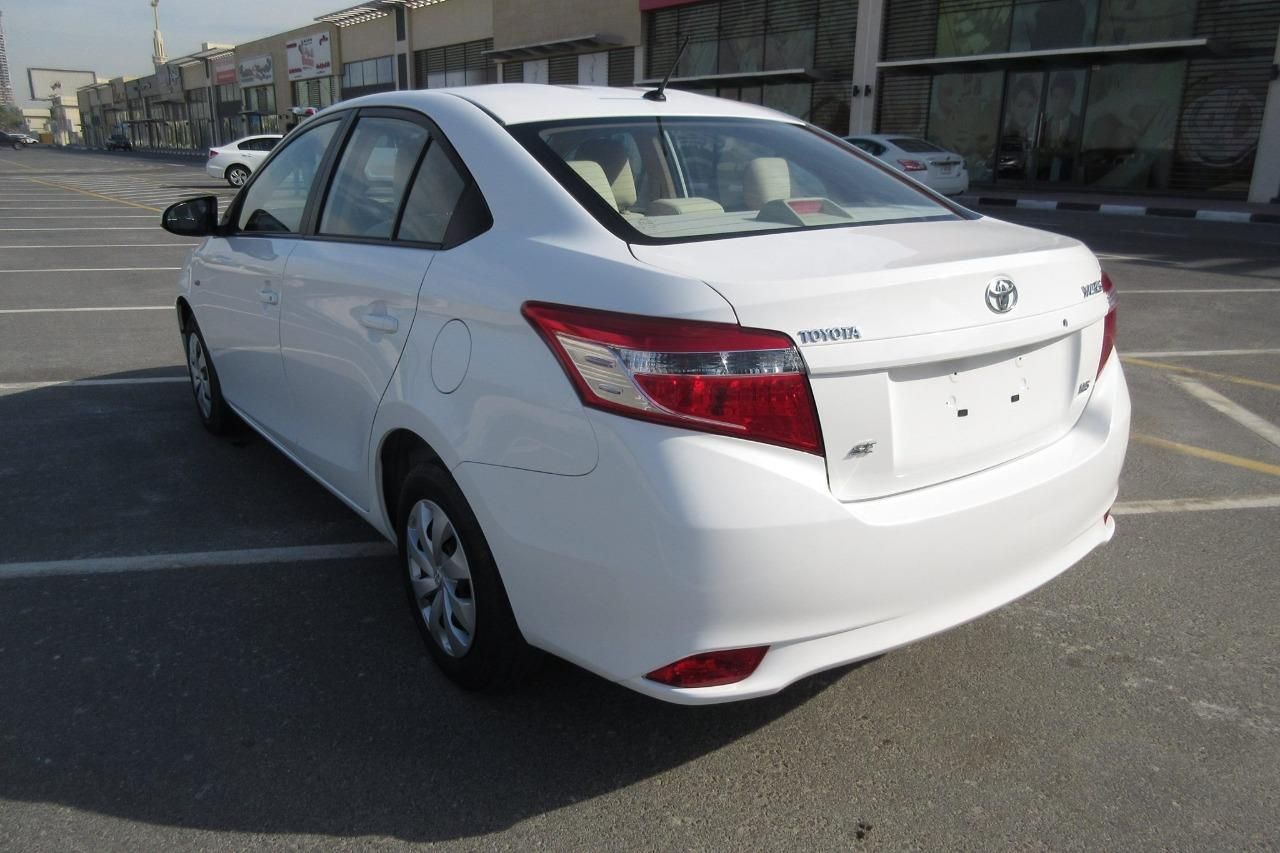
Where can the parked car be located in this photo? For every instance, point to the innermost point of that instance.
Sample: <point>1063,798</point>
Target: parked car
<point>701,443</point>
<point>16,139</point>
<point>119,142</point>
<point>236,161</point>
<point>937,168</point>
<point>1012,157</point>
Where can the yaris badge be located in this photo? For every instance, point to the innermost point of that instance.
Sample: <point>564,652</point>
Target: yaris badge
<point>1002,295</point>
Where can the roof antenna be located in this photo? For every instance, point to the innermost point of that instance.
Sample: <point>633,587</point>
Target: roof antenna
<point>659,93</point>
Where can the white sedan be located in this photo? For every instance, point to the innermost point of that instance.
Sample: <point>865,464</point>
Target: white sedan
<point>236,161</point>
<point>937,168</point>
<point>681,390</point>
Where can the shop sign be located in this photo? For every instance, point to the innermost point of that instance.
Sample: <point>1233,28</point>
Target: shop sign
<point>309,56</point>
<point>256,71</point>
<point>224,70</point>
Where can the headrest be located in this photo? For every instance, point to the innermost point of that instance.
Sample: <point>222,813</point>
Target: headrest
<point>591,172</point>
<point>612,157</point>
<point>764,180</point>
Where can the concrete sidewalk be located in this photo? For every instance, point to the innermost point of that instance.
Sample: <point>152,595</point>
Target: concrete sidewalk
<point>1216,210</point>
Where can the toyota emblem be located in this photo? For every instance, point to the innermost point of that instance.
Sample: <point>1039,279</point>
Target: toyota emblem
<point>1002,295</point>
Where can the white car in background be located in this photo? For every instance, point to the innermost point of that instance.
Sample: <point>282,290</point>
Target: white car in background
<point>236,161</point>
<point>937,168</point>
<point>682,390</point>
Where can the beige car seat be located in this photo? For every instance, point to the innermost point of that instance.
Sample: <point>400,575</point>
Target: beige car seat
<point>764,180</point>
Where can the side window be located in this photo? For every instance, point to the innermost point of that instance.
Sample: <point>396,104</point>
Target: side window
<point>275,201</point>
<point>433,199</point>
<point>372,178</point>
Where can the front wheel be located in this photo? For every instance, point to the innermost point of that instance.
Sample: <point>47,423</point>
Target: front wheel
<point>237,175</point>
<point>455,593</point>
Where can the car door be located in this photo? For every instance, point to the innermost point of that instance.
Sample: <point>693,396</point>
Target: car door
<point>351,290</point>
<point>236,280</point>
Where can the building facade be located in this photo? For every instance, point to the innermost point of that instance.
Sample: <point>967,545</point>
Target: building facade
<point>1111,95</point>
<point>1121,95</point>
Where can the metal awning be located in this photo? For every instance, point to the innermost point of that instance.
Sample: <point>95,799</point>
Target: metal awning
<point>543,49</point>
<point>371,11</point>
<point>1031,58</point>
<point>743,78</point>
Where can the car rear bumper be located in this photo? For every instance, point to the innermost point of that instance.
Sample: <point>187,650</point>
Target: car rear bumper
<point>679,543</point>
<point>949,186</point>
<point>214,170</point>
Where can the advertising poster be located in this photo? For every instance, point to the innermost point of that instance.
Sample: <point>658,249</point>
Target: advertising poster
<point>309,56</point>
<point>256,71</point>
<point>964,116</point>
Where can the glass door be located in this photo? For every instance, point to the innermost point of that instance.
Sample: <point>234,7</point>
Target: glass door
<point>1041,130</point>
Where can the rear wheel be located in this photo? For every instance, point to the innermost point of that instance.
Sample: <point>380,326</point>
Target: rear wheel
<point>455,592</point>
<point>210,406</point>
<point>237,175</point>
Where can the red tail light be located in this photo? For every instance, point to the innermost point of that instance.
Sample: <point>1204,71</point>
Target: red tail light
<point>710,669</point>
<point>1109,324</point>
<point>213,152</point>
<point>913,166</point>
<point>711,377</point>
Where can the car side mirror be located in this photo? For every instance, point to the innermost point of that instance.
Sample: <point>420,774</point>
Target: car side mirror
<point>194,217</point>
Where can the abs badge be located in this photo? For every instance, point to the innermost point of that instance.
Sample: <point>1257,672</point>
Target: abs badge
<point>1002,295</point>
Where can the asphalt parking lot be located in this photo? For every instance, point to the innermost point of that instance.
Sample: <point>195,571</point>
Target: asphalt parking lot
<point>200,648</point>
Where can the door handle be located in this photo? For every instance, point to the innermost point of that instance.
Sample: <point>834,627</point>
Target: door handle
<point>269,296</point>
<point>380,322</point>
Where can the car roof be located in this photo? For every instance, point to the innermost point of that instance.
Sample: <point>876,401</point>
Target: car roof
<point>259,136</point>
<point>521,103</point>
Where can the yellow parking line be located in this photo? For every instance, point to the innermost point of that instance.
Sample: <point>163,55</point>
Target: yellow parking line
<point>1212,455</point>
<point>1225,377</point>
<point>95,195</point>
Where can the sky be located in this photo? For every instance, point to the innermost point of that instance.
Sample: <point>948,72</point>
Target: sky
<point>113,37</point>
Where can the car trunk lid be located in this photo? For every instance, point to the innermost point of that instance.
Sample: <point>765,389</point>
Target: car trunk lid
<point>917,380</point>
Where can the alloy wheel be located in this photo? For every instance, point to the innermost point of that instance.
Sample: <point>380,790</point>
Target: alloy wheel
<point>441,578</point>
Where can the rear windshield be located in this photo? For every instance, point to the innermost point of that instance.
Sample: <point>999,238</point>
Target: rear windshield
<point>655,180</point>
<point>915,146</point>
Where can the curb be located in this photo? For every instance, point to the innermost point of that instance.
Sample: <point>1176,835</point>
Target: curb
<point>1204,214</point>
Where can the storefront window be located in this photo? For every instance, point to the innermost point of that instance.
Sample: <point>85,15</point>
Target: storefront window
<point>1130,125</point>
<point>964,115</point>
<point>260,99</point>
<point>1137,21</point>
<point>972,27</point>
<point>788,49</point>
<point>1053,24</point>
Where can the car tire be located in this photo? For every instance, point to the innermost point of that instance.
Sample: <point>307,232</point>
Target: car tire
<point>237,175</point>
<point>455,594</point>
<point>211,407</point>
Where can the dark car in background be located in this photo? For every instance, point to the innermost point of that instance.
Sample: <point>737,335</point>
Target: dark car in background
<point>16,139</point>
<point>119,141</point>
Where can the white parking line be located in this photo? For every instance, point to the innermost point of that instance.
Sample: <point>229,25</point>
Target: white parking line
<point>19,387</point>
<point>91,228</point>
<point>98,269</point>
<point>75,310</point>
<point>87,216</point>
<point>196,560</point>
<point>1247,419</point>
<point>1194,505</point>
<point>1198,353</point>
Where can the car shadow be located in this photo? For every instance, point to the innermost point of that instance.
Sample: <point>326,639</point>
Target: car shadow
<point>287,697</point>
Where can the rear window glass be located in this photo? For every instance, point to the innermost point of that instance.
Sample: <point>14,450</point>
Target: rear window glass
<point>915,146</point>
<point>669,180</point>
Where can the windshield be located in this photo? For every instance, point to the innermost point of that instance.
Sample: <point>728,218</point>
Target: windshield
<point>656,180</point>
